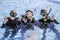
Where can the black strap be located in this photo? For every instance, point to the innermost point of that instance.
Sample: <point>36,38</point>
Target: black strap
<point>49,11</point>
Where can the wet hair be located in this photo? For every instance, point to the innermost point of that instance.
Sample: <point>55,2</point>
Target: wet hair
<point>29,11</point>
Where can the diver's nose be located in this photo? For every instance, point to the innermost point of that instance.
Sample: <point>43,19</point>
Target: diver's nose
<point>44,15</point>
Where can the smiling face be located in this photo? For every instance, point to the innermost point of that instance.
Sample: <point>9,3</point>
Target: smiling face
<point>29,15</point>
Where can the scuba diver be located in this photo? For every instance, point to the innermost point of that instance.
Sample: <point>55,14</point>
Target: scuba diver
<point>45,22</point>
<point>27,22</point>
<point>11,25</point>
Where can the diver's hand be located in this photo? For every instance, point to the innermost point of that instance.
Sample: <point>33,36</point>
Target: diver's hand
<point>5,20</point>
<point>53,20</point>
<point>52,17</point>
<point>31,18</point>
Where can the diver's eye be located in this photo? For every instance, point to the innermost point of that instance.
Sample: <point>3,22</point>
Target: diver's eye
<point>13,15</point>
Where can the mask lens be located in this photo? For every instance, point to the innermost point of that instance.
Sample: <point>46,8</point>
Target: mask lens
<point>13,14</point>
<point>44,15</point>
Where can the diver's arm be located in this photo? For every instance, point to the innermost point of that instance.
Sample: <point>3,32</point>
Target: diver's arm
<point>3,25</point>
<point>5,22</point>
<point>53,20</point>
<point>56,22</point>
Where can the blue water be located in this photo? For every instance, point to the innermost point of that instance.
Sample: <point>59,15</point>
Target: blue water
<point>22,5</point>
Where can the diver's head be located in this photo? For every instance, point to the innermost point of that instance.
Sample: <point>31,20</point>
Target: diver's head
<point>43,13</point>
<point>29,13</point>
<point>13,13</point>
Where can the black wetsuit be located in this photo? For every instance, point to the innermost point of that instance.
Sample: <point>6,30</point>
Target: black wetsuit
<point>44,23</point>
<point>29,24</point>
<point>26,26</point>
<point>11,24</point>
